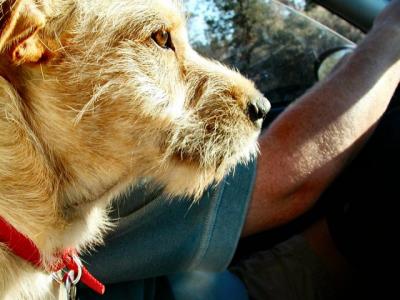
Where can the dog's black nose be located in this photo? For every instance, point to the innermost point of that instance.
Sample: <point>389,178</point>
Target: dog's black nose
<point>257,109</point>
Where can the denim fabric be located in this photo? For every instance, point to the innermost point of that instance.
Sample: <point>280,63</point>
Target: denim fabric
<point>207,286</point>
<point>158,236</point>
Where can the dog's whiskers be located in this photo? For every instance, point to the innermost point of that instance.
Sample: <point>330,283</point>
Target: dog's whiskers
<point>41,71</point>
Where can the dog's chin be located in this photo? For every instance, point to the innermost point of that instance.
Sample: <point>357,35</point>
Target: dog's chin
<point>189,176</point>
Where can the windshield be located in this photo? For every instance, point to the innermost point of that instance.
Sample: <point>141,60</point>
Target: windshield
<point>271,43</point>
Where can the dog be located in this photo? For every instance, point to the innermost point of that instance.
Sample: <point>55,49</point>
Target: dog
<point>94,95</point>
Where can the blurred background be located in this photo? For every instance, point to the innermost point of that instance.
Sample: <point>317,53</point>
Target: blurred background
<point>275,43</point>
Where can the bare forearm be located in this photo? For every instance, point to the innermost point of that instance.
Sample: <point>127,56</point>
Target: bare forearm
<point>312,140</point>
<point>315,137</point>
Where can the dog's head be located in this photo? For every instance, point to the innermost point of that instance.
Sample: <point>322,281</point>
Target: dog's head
<point>113,91</point>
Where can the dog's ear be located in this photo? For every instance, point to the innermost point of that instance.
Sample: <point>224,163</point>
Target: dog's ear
<point>20,21</point>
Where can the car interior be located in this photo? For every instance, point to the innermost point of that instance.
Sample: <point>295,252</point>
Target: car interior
<point>335,203</point>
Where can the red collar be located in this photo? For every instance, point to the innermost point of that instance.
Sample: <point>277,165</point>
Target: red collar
<point>23,247</point>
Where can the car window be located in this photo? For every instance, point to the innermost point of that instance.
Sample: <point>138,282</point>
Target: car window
<point>325,17</point>
<point>271,43</point>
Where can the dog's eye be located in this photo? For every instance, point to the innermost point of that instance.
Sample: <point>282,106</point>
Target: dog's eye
<point>163,39</point>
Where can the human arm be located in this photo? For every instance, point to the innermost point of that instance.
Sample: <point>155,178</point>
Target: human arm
<point>314,139</point>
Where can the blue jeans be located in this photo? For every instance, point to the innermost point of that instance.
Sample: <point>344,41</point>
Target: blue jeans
<point>167,245</point>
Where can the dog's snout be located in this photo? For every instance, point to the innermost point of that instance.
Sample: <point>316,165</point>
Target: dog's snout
<point>257,109</point>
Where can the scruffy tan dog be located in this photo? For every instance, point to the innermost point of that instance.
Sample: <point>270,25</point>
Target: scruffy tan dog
<point>95,94</point>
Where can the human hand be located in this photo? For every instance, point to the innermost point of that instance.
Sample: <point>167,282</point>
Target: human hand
<point>389,17</point>
<point>386,32</point>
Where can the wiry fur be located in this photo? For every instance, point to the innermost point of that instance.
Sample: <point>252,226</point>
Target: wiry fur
<point>102,107</point>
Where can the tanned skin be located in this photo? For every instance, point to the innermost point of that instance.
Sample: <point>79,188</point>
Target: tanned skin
<point>314,139</point>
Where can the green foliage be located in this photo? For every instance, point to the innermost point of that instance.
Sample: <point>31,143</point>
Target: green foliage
<point>271,44</point>
<point>305,5</point>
